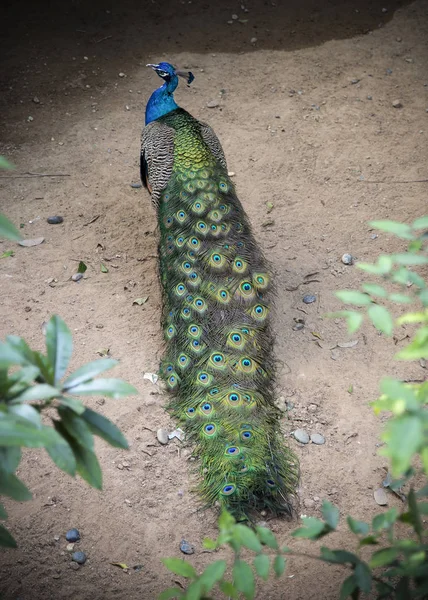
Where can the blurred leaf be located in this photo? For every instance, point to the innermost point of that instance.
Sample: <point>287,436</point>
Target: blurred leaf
<point>180,567</point>
<point>3,513</point>
<point>279,565</point>
<point>338,556</point>
<point>8,230</point>
<point>73,404</point>
<point>418,317</point>
<point>140,301</point>
<point>76,427</point>
<point>59,345</point>
<point>210,544</point>
<point>369,540</point>
<point>406,427</point>
<point>358,527</point>
<point>225,520</point>
<point>248,538</point>
<point>330,514</point>
<point>410,259</point>
<point>172,592</point>
<point>11,486</point>
<point>267,537</point>
<point>363,577</point>
<point>228,589</point>
<point>383,557</point>
<point>418,347</point>
<point>40,391</point>
<point>194,591</point>
<point>383,266</point>
<point>114,388</point>
<point>414,514</point>
<point>7,254</point>
<point>88,371</point>
<point>14,432</point>
<point>6,539</point>
<point>353,297</point>
<point>375,290</point>
<point>423,296</point>
<point>348,586</point>
<point>10,457</point>
<point>401,230</point>
<point>5,164</point>
<point>26,412</point>
<point>104,428</point>
<point>381,318</point>
<point>417,280</point>
<point>9,356</point>
<point>243,579</point>
<point>87,464</point>
<point>213,573</point>
<point>261,564</point>
<point>420,223</point>
<point>384,520</point>
<point>424,458</point>
<point>103,268</point>
<point>400,299</point>
<point>399,391</point>
<point>312,528</point>
<point>62,456</point>
<point>82,267</point>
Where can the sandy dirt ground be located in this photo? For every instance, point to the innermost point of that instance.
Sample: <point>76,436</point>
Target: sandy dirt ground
<point>305,114</point>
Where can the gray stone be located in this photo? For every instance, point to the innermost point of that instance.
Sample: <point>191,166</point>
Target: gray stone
<point>318,439</point>
<point>301,436</point>
<point>347,259</point>
<point>213,104</point>
<point>162,436</point>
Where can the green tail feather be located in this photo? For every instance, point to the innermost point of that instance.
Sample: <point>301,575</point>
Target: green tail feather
<point>219,364</point>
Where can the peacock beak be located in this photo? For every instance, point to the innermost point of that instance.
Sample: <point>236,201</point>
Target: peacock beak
<point>154,67</point>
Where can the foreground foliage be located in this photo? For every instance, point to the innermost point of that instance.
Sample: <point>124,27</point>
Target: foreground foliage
<point>398,565</point>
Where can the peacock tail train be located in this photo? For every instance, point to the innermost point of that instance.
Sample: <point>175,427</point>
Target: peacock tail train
<point>217,292</point>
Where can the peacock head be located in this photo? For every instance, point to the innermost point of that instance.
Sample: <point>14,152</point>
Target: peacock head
<point>168,72</point>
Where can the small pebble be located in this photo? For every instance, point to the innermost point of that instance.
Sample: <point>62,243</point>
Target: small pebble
<point>380,497</point>
<point>355,81</point>
<point>253,40</point>
<point>72,535</point>
<point>70,547</point>
<point>36,100</point>
<point>122,75</point>
<point>318,439</point>
<point>309,298</point>
<point>162,436</point>
<point>77,276</point>
<point>369,97</point>
<point>388,71</point>
<point>79,557</point>
<point>347,259</point>
<point>186,548</point>
<point>301,436</point>
<point>136,186</point>
<point>298,326</point>
<point>212,104</point>
<point>312,408</point>
<point>397,104</point>
<point>74,566</point>
<point>55,220</point>
<point>56,538</point>
<point>309,503</point>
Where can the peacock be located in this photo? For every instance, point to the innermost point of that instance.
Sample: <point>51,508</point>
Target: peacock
<point>217,298</point>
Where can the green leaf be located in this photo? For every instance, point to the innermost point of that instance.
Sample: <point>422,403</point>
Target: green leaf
<point>375,290</point>
<point>424,458</point>
<point>114,388</point>
<point>62,455</point>
<point>363,577</point>
<point>409,259</point>
<point>195,591</point>
<point>338,556</point>
<point>3,513</point>
<point>384,520</point>
<point>414,513</point>
<point>103,268</point>
<point>88,371</point>
<point>10,457</point>
<point>401,230</point>
<point>59,345</point>
<point>9,356</point>
<point>8,230</point>
<point>87,464</point>
<point>73,404</point>
<point>383,266</point>
<point>5,164</point>
<point>261,564</point>
<point>213,573</point>
<point>7,253</point>
<point>82,267</point>
<point>423,297</point>
<point>348,586</point>
<point>279,565</point>
<point>228,589</point>
<point>409,428</point>
<point>417,280</point>
<point>13,487</point>
<point>76,427</point>
<point>381,318</point>
<point>27,413</point>
<point>21,433</point>
<point>354,321</point>
<point>180,567</point>
<point>418,347</point>
<point>225,521</point>
<point>40,391</point>
<point>247,538</point>
<point>400,299</point>
<point>383,557</point>
<point>353,297</point>
<point>101,426</point>
<point>330,514</point>
<point>172,592</point>
<point>312,528</point>
<point>267,537</point>
<point>369,540</point>
<point>6,539</point>
<point>399,391</point>
<point>243,579</point>
<point>420,223</point>
<point>210,544</point>
<point>358,527</point>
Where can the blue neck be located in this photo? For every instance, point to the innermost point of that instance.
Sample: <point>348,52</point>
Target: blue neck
<point>162,101</point>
